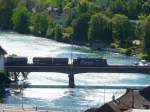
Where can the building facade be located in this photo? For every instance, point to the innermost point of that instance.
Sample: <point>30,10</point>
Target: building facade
<point>2,58</point>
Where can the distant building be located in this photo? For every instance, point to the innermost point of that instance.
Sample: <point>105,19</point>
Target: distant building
<point>2,58</point>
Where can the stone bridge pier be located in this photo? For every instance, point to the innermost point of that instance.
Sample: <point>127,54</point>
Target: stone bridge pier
<point>71,80</point>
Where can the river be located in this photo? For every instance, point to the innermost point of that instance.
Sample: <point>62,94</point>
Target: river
<point>64,98</point>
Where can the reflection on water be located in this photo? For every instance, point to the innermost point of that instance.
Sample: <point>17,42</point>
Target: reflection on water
<point>81,99</point>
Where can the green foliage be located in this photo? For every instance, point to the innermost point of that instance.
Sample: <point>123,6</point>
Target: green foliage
<point>146,7</point>
<point>68,32</point>
<point>5,81</point>
<point>100,29</point>
<point>122,28</point>
<point>40,24</point>
<point>83,7</point>
<point>58,32</point>
<point>50,33</point>
<point>80,26</point>
<point>146,34</point>
<point>117,6</point>
<point>21,20</point>
<point>86,20</point>
<point>50,30</point>
<point>144,56</point>
<point>6,7</point>
<point>133,8</point>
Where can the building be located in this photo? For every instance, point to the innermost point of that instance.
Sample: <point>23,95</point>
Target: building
<point>131,101</point>
<point>138,110</point>
<point>2,58</point>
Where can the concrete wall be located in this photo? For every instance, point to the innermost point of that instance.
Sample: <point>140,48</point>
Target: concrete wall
<point>1,63</point>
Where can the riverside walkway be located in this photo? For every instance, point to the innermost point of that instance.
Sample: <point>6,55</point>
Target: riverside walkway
<point>72,70</point>
<point>27,108</point>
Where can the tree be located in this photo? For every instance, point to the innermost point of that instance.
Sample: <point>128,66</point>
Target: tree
<point>100,29</point>
<point>122,28</point>
<point>146,34</point>
<point>68,32</point>
<point>58,32</point>
<point>83,6</point>
<point>117,6</point>
<point>21,20</point>
<point>40,23</point>
<point>133,8</point>
<point>146,7</point>
<point>80,26</point>
<point>6,8</point>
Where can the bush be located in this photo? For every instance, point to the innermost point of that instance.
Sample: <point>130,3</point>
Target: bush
<point>5,81</point>
<point>145,56</point>
<point>128,51</point>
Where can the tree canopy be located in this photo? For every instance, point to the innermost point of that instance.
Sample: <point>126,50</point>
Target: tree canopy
<point>100,28</point>
<point>21,19</point>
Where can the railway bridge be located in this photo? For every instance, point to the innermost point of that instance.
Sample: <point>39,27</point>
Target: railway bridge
<point>72,70</point>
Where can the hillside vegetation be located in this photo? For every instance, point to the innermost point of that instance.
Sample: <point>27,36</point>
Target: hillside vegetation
<point>123,24</point>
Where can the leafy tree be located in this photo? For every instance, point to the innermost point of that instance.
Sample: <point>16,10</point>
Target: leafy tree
<point>68,32</point>
<point>50,31</point>
<point>80,26</point>
<point>83,6</point>
<point>51,28</point>
<point>122,27</point>
<point>21,20</point>
<point>117,6</point>
<point>40,23</point>
<point>100,28</point>
<point>146,7</point>
<point>58,32</point>
<point>146,34</point>
<point>133,8</point>
<point>6,8</point>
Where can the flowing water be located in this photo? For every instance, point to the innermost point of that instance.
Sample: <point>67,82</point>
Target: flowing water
<point>65,98</point>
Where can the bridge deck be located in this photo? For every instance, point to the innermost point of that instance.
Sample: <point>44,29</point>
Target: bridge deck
<point>80,69</point>
<point>83,87</point>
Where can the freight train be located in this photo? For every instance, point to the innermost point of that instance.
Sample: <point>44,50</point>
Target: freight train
<point>14,60</point>
<point>48,61</point>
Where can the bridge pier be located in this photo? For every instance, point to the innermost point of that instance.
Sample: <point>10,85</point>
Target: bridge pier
<point>16,74</point>
<point>71,81</point>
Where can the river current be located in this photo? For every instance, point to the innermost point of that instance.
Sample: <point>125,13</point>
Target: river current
<point>65,98</point>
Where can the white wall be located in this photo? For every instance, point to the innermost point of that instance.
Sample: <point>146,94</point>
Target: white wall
<point>1,63</point>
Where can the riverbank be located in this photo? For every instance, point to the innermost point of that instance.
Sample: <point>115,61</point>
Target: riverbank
<point>24,108</point>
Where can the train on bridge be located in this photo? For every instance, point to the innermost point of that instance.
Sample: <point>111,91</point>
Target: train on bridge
<point>48,61</point>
